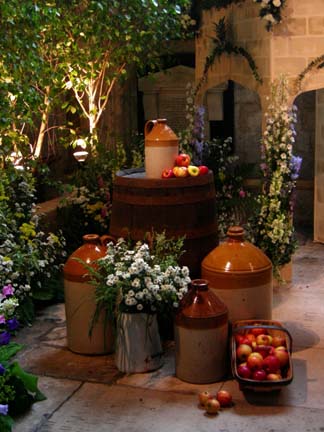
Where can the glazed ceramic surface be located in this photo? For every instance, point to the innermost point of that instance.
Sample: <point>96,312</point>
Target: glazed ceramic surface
<point>241,275</point>
<point>201,336</point>
<point>161,147</point>
<point>80,302</point>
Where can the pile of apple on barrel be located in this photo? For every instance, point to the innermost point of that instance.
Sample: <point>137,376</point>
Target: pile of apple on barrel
<point>261,355</point>
<point>183,168</point>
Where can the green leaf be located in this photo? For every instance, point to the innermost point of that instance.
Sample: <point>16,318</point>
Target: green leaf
<point>6,423</point>
<point>8,351</point>
<point>30,381</point>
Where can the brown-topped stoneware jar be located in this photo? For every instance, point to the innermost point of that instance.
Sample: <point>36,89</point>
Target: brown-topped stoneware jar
<point>201,336</point>
<point>161,147</point>
<point>80,304</point>
<point>241,275</point>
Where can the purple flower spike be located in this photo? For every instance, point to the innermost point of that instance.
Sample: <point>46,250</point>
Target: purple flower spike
<point>2,369</point>
<point>13,324</point>
<point>2,319</point>
<point>295,165</point>
<point>7,290</point>
<point>4,409</point>
<point>4,338</point>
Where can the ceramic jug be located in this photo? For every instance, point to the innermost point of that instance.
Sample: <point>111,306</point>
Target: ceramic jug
<point>161,147</point>
<point>80,304</point>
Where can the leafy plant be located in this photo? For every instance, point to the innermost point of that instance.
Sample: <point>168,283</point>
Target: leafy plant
<point>223,45</point>
<point>274,228</point>
<point>18,389</point>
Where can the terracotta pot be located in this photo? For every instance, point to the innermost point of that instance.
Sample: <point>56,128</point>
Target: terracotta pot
<point>201,336</point>
<point>80,304</point>
<point>161,147</point>
<point>241,275</point>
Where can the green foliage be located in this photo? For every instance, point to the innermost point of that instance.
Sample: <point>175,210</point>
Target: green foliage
<point>29,258</point>
<point>18,389</point>
<point>223,45</point>
<point>317,63</point>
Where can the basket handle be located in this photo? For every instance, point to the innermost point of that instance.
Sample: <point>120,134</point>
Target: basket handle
<point>266,326</point>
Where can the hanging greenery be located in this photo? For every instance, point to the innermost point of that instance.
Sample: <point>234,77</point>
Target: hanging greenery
<point>223,45</point>
<point>219,4</point>
<point>317,63</point>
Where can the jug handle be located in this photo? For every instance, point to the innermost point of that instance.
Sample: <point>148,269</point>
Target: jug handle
<point>149,125</point>
<point>105,239</point>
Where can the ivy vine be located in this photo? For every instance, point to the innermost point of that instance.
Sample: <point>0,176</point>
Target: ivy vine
<point>317,63</point>
<point>223,45</point>
<point>218,4</point>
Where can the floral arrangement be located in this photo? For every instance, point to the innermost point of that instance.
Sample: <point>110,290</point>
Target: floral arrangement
<point>138,278</point>
<point>270,10</point>
<point>30,259</point>
<point>233,201</point>
<point>18,389</point>
<point>274,228</point>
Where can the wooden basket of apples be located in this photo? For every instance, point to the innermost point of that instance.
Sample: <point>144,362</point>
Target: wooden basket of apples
<point>261,355</point>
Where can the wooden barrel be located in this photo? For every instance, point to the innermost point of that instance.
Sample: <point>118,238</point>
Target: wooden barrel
<point>178,206</point>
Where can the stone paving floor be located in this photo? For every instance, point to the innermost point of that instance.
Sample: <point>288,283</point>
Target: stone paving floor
<point>88,394</point>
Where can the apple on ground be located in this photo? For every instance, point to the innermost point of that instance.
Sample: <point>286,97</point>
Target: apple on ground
<point>180,171</point>
<point>203,170</point>
<point>255,361</point>
<point>243,351</point>
<point>224,397</point>
<point>193,170</point>
<point>167,173</point>
<point>182,160</point>
<point>212,406</point>
<point>244,371</point>
<point>203,397</point>
<point>263,339</point>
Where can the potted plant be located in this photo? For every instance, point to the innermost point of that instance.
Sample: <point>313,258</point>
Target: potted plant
<point>135,284</point>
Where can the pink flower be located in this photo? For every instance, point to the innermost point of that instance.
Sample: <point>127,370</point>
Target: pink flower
<point>7,290</point>
<point>2,319</point>
<point>242,193</point>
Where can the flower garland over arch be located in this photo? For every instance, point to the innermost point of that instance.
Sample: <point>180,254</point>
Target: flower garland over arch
<point>270,10</point>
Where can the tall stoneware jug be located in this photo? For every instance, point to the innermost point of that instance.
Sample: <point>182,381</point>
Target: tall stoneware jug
<point>240,274</point>
<point>161,147</point>
<point>201,336</point>
<point>80,303</point>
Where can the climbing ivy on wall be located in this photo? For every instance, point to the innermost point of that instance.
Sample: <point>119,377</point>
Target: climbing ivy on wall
<point>317,63</point>
<point>223,45</point>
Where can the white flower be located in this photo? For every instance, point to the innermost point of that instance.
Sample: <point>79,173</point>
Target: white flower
<point>139,307</point>
<point>276,3</point>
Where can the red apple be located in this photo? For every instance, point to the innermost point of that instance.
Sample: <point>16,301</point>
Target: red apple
<point>193,170</point>
<point>259,375</point>
<point>250,337</point>
<point>243,351</point>
<point>254,361</point>
<point>182,160</point>
<point>264,350</point>
<point>167,173</point>
<point>278,341</point>
<point>212,406</point>
<point>258,330</point>
<point>244,371</point>
<point>271,364</point>
<point>180,171</point>
<point>263,339</point>
<point>203,170</point>
<point>203,397</point>
<point>282,355</point>
<point>239,338</point>
<point>224,398</point>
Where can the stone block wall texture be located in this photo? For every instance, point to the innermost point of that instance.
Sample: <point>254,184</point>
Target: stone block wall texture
<point>287,49</point>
